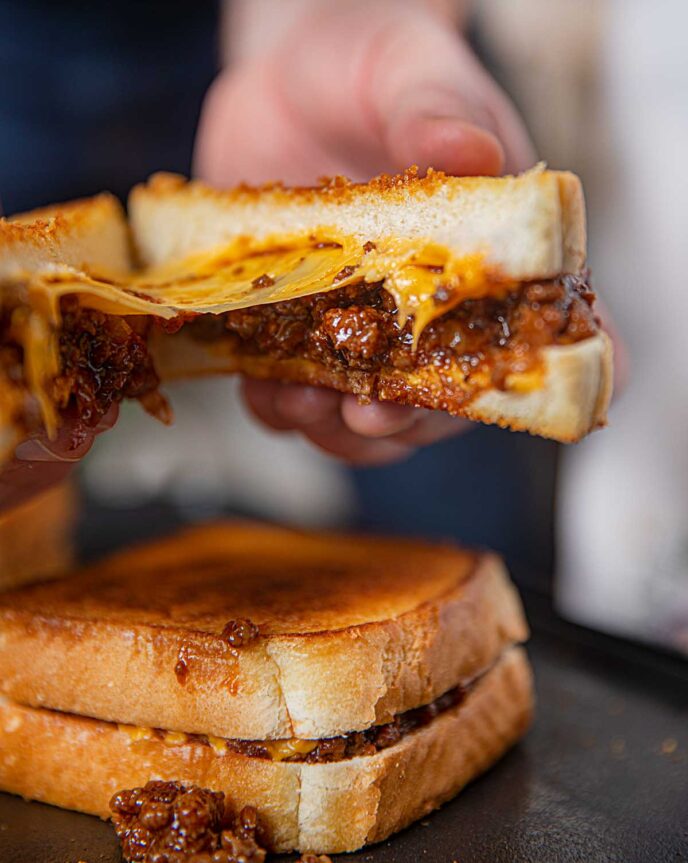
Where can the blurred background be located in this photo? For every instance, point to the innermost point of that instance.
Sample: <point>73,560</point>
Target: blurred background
<point>98,97</point>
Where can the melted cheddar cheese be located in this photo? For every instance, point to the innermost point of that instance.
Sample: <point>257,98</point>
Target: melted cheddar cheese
<point>280,750</point>
<point>175,738</point>
<point>136,733</point>
<point>247,273</point>
<point>426,280</point>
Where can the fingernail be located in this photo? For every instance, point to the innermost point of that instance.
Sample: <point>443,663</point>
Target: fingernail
<point>378,420</point>
<point>303,405</point>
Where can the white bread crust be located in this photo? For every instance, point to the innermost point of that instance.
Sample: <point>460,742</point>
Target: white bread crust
<point>572,401</point>
<point>90,234</point>
<point>530,226</point>
<point>339,806</point>
<point>316,685</point>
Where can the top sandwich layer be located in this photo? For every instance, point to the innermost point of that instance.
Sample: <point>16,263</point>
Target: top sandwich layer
<point>204,250</point>
<point>285,581</point>
<point>527,227</point>
<point>253,632</point>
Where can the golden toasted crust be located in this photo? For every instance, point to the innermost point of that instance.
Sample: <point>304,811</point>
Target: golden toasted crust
<point>78,211</point>
<point>530,226</point>
<point>36,538</point>
<point>89,234</point>
<point>79,763</point>
<point>352,631</point>
<point>392,187</point>
<point>572,400</point>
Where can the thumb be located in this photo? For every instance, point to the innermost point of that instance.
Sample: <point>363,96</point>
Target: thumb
<point>449,143</point>
<point>433,103</point>
<point>389,84</point>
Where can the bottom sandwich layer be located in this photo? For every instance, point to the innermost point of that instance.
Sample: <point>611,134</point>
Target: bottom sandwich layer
<point>570,399</point>
<point>79,763</point>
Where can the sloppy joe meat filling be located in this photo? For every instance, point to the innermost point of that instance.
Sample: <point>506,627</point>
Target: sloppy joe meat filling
<point>104,358</point>
<point>352,745</point>
<point>356,328</point>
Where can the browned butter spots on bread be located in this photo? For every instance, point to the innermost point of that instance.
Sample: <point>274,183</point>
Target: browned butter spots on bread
<point>285,582</point>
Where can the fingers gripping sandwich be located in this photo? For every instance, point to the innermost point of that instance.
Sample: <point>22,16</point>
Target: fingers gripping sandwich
<point>464,295</point>
<point>343,686</point>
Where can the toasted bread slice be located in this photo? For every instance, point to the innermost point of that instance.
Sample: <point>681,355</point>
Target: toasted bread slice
<point>528,227</point>
<point>80,763</point>
<point>90,234</point>
<point>351,631</point>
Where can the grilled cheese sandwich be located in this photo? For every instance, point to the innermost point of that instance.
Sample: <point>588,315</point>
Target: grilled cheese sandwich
<point>371,679</point>
<point>465,295</point>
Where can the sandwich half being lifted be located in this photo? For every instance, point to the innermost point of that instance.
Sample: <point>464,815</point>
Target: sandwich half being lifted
<point>468,295</point>
<point>344,686</point>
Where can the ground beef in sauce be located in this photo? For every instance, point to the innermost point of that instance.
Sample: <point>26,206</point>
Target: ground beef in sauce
<point>103,360</point>
<point>368,742</point>
<point>356,328</point>
<point>167,822</point>
<point>171,822</point>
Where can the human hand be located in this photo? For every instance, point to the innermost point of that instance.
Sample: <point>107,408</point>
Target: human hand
<point>39,463</point>
<point>355,88</point>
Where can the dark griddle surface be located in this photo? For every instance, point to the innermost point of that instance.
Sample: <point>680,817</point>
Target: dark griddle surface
<point>589,784</point>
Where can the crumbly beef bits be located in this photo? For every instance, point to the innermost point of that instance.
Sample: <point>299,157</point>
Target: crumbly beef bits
<point>383,736</point>
<point>167,822</point>
<point>360,743</point>
<point>104,358</point>
<point>239,632</point>
<point>356,329</point>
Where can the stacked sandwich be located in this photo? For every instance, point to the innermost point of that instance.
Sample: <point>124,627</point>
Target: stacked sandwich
<point>342,686</point>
